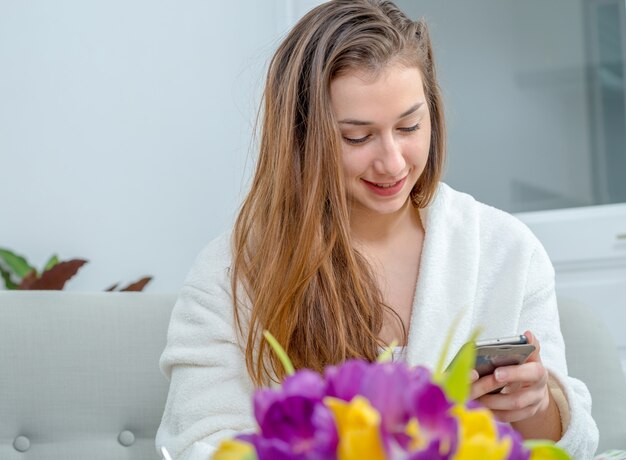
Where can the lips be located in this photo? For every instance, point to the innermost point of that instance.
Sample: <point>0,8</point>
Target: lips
<point>385,188</point>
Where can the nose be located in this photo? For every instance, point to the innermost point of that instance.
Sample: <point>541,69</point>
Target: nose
<point>390,160</point>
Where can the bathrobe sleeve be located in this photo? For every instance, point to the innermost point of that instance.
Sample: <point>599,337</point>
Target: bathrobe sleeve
<point>210,391</point>
<point>539,314</point>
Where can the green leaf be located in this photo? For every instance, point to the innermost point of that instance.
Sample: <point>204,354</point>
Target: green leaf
<point>280,352</point>
<point>17,264</point>
<point>456,380</point>
<point>8,282</point>
<point>387,353</point>
<point>51,262</point>
<point>545,450</point>
<point>439,370</point>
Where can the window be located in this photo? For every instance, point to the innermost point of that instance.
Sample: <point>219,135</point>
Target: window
<point>535,99</point>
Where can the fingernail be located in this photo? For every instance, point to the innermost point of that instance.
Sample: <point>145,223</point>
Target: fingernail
<point>473,375</point>
<point>529,335</point>
<point>500,374</point>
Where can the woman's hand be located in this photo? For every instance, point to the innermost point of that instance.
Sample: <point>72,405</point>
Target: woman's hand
<point>525,400</point>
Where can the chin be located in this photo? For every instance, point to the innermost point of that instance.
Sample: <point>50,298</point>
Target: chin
<point>390,207</point>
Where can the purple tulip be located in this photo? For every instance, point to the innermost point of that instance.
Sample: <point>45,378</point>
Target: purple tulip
<point>430,453</point>
<point>294,422</point>
<point>387,387</point>
<point>398,393</point>
<point>432,410</point>
<point>344,382</point>
<point>518,452</point>
<point>275,449</point>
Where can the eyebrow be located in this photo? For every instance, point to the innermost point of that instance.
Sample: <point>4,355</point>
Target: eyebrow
<point>352,121</point>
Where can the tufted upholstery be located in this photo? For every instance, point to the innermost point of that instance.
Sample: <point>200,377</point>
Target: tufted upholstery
<point>592,357</point>
<point>79,376</point>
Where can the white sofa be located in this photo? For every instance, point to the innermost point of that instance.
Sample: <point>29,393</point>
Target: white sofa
<point>79,376</point>
<point>592,357</point>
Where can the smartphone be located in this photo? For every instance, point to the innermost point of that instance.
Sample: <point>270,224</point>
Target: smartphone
<point>502,351</point>
<point>513,340</point>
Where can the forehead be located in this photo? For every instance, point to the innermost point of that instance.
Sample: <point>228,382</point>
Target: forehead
<point>389,92</point>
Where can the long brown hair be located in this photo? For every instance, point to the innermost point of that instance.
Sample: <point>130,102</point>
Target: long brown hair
<point>295,271</point>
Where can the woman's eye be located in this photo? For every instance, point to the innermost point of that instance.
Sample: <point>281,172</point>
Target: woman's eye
<point>410,129</point>
<point>360,140</point>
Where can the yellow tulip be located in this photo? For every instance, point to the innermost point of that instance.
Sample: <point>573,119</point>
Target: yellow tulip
<point>479,436</point>
<point>413,431</point>
<point>358,425</point>
<point>545,450</point>
<point>231,449</point>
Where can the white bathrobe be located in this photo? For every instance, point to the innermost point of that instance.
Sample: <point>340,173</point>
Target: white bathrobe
<point>474,257</point>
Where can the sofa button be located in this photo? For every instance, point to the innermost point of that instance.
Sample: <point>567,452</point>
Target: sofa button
<point>126,438</point>
<point>21,443</point>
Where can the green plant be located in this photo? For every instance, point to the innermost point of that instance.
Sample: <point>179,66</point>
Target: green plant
<point>19,274</point>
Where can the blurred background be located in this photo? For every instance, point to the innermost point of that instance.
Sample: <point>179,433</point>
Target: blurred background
<point>126,128</point>
<point>535,94</point>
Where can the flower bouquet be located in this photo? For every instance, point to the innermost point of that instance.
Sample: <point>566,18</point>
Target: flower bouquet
<point>378,411</point>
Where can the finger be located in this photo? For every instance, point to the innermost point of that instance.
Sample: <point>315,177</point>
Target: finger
<point>508,416</point>
<point>535,356</point>
<point>484,385</point>
<point>528,397</point>
<point>527,373</point>
<point>511,388</point>
<point>473,376</point>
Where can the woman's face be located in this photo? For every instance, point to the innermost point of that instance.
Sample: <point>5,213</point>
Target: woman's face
<point>385,128</point>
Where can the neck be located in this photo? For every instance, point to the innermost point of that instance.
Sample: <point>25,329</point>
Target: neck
<point>371,228</point>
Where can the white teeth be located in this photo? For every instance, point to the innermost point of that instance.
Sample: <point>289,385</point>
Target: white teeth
<point>386,185</point>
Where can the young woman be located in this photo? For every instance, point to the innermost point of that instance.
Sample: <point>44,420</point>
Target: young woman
<point>348,240</point>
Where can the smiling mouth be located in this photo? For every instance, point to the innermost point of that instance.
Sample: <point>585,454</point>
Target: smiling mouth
<point>385,185</point>
<point>386,189</point>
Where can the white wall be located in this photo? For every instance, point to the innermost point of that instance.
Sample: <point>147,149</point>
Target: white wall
<point>125,129</point>
<point>125,126</point>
